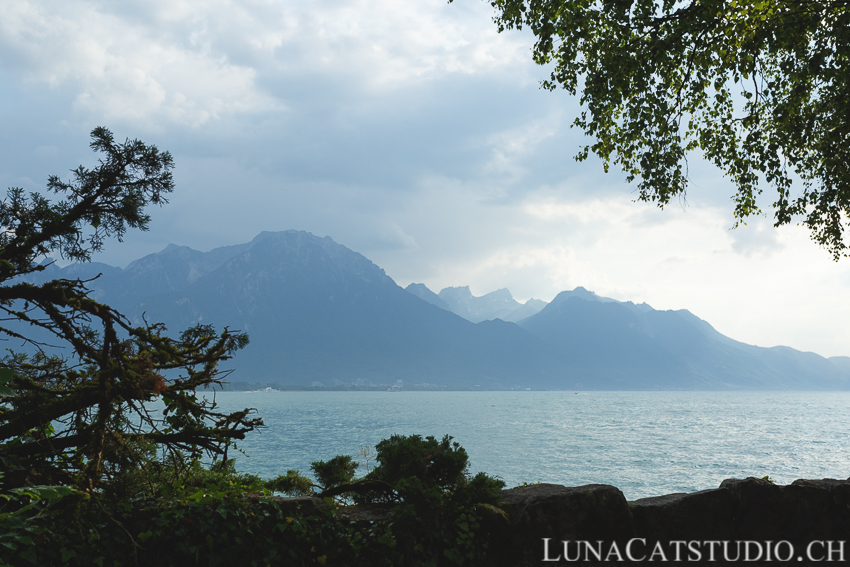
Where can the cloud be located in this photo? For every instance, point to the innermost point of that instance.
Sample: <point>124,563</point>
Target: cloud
<point>192,62</point>
<point>389,236</point>
<point>509,147</point>
<point>123,69</point>
<point>757,237</point>
<point>389,44</point>
<point>411,132</point>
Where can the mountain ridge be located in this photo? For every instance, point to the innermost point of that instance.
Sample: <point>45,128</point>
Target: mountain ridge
<point>319,313</point>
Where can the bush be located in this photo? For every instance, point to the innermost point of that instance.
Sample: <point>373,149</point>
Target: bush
<point>336,472</point>
<point>439,507</point>
<point>292,483</point>
<point>174,512</point>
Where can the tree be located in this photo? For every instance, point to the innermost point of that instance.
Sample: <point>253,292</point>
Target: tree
<point>759,87</point>
<point>83,414</point>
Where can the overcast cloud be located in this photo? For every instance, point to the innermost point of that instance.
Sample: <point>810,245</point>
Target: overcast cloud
<point>409,131</point>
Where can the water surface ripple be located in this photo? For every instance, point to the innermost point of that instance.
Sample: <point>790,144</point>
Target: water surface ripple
<point>645,443</point>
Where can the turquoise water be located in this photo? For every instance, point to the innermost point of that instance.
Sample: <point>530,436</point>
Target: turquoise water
<point>645,443</point>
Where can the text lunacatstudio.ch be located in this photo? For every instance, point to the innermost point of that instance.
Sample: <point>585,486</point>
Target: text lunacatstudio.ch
<point>641,549</point>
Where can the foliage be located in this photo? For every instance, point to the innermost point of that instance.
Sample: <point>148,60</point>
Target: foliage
<point>339,470</point>
<point>155,478</point>
<point>217,516</point>
<point>85,417</point>
<point>291,483</point>
<point>412,469</point>
<point>439,464</point>
<point>217,524</point>
<point>760,88</point>
<point>436,507</point>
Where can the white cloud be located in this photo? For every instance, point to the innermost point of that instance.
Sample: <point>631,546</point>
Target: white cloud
<point>388,44</point>
<point>121,69</point>
<point>388,235</point>
<point>192,62</point>
<point>510,146</point>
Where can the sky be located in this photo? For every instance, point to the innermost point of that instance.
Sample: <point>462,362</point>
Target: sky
<point>411,132</point>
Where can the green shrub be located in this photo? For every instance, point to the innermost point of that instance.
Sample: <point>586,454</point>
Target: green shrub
<point>175,512</point>
<point>439,507</point>
<point>292,484</point>
<point>336,472</point>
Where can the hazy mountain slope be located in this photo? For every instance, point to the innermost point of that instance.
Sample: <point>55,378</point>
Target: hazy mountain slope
<point>612,344</point>
<point>841,362</point>
<point>527,309</point>
<point>317,311</point>
<point>422,292</point>
<point>172,269</point>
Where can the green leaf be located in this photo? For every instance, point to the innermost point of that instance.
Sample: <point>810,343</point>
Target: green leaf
<point>6,376</point>
<point>45,492</point>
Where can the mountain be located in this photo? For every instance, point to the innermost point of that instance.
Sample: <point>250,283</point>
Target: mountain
<point>607,344</point>
<point>494,305</point>
<point>318,313</point>
<point>498,304</point>
<point>527,309</point>
<point>422,292</point>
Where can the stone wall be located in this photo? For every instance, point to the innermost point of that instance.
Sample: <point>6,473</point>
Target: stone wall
<point>805,516</point>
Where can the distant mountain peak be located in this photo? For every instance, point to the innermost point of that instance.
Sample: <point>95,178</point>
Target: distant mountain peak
<point>503,294</point>
<point>171,247</point>
<point>499,304</point>
<point>284,233</point>
<point>582,293</point>
<point>460,293</point>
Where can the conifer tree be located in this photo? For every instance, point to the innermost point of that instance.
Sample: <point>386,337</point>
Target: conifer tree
<point>77,407</point>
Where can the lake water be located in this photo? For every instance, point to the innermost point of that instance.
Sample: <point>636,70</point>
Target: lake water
<point>645,443</point>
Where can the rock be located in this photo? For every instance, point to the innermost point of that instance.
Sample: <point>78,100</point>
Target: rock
<point>704,515</point>
<point>748,510</point>
<point>592,512</point>
<point>801,512</point>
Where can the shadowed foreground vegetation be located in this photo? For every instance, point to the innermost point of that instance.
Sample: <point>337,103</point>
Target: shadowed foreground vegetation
<point>429,512</point>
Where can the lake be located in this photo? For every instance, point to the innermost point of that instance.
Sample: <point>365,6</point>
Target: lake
<point>645,443</point>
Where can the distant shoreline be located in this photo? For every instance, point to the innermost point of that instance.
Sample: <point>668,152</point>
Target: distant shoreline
<point>270,387</point>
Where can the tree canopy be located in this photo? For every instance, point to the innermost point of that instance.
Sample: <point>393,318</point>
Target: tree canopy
<point>760,88</point>
<point>75,408</point>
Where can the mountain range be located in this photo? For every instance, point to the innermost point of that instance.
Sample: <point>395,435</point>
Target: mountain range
<point>320,314</point>
<point>498,304</point>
